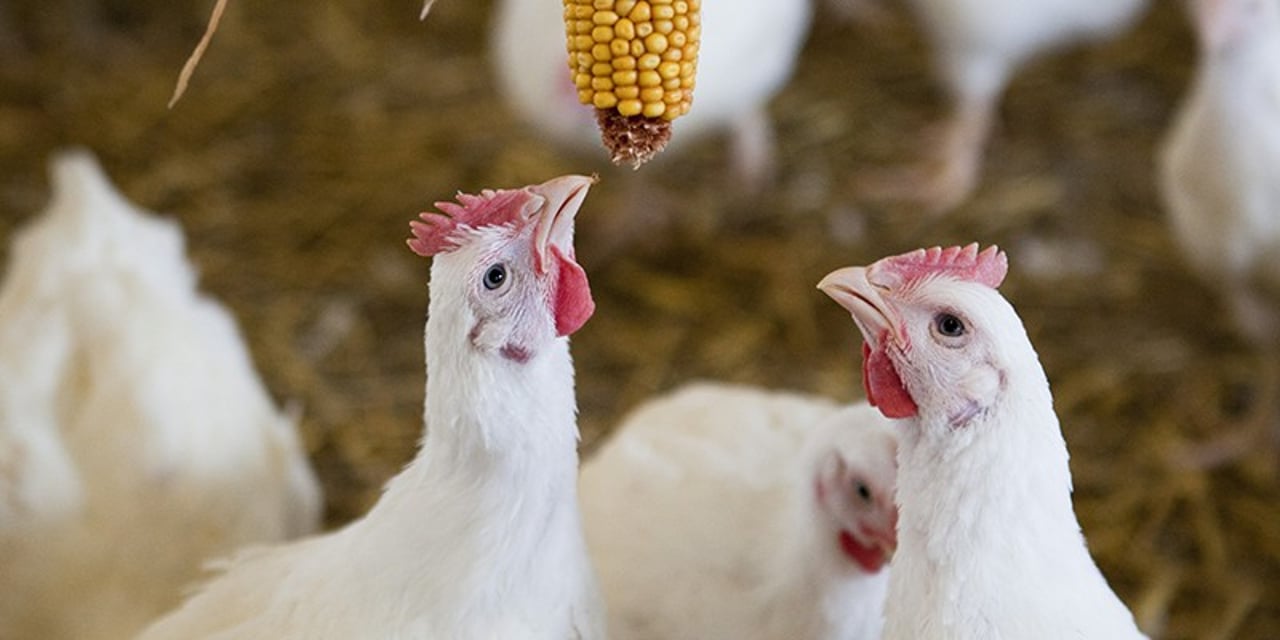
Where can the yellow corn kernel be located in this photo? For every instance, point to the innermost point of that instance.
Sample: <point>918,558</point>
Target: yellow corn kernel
<point>640,13</point>
<point>655,43</point>
<point>630,107</point>
<point>604,100</point>
<point>625,30</point>
<point>624,78</point>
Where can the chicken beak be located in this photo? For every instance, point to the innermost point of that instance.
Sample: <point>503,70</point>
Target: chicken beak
<point>562,197</point>
<point>851,289</point>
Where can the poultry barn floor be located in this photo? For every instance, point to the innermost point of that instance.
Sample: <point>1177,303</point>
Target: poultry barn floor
<point>313,132</point>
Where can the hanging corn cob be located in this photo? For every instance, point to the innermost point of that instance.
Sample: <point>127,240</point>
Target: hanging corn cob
<point>634,61</point>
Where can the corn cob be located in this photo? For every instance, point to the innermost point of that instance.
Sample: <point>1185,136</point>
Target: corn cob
<point>634,61</point>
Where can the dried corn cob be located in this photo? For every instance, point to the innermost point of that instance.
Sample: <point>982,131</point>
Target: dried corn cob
<point>634,61</point>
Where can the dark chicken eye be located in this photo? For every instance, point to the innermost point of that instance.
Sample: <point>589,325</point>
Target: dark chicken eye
<point>495,276</point>
<point>949,325</point>
<point>863,491</point>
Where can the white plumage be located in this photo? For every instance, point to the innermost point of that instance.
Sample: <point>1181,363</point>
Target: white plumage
<point>746,57</point>
<point>479,537</point>
<point>989,545</point>
<point>136,439</point>
<point>977,46</point>
<point>704,519</point>
<point>1220,166</point>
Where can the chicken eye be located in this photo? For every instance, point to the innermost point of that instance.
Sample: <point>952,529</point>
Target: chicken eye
<point>949,325</point>
<point>495,276</point>
<point>863,491</point>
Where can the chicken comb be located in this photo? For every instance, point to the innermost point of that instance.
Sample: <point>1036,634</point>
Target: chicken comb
<point>436,233</point>
<point>962,263</point>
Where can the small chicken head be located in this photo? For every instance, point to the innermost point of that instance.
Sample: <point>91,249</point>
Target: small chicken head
<point>934,330</point>
<point>510,252</point>
<point>853,488</point>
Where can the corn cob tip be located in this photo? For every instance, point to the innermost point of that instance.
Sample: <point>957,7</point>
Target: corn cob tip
<point>632,139</point>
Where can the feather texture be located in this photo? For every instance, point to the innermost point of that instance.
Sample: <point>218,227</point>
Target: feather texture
<point>702,518</point>
<point>1220,165</point>
<point>989,544</point>
<point>479,537</point>
<point>136,439</point>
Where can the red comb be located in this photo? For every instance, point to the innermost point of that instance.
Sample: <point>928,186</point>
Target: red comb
<point>435,233</point>
<point>962,263</point>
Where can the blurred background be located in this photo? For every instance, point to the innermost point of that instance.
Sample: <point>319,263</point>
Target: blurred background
<point>313,132</point>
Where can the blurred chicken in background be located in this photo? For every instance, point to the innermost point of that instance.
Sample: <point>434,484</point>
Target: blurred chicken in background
<point>136,439</point>
<point>1220,165</point>
<point>730,512</point>
<point>977,46</point>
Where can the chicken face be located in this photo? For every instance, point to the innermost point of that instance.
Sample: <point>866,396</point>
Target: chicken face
<point>509,255</point>
<point>853,491</point>
<point>930,321</point>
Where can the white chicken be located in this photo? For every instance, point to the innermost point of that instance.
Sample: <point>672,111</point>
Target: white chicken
<point>136,439</point>
<point>977,45</point>
<point>1220,166</point>
<point>746,56</point>
<point>479,537</point>
<point>731,512</point>
<point>989,544</point>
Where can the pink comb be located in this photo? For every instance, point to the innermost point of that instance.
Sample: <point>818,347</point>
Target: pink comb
<point>962,263</point>
<point>435,233</point>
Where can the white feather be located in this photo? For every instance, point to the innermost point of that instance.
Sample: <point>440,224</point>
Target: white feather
<point>1220,165</point>
<point>989,545</point>
<point>479,537</point>
<point>700,519</point>
<point>136,439</point>
<point>978,43</point>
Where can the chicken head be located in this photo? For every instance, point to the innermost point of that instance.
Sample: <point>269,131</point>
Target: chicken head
<point>509,257</point>
<point>933,325</point>
<point>853,486</point>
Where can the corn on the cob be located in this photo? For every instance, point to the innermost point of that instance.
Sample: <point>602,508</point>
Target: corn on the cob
<point>634,61</point>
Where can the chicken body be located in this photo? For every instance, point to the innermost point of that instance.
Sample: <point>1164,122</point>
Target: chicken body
<point>479,537</point>
<point>989,545</point>
<point>717,512</point>
<point>136,439</point>
<point>977,46</point>
<point>1220,166</point>
<point>746,57</point>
